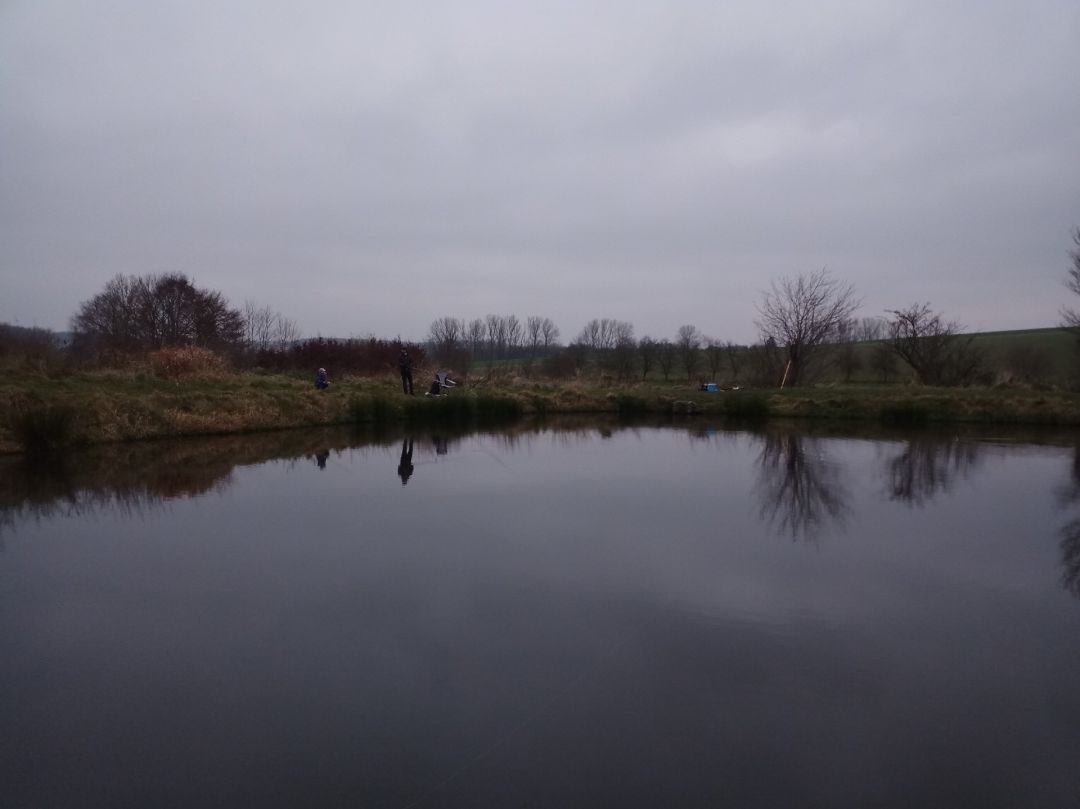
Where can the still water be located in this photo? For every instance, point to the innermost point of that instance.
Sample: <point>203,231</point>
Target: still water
<point>559,615</point>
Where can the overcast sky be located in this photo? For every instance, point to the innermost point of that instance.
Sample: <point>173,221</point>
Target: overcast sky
<point>367,167</point>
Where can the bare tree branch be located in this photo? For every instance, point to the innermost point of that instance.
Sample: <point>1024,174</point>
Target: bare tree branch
<point>799,314</point>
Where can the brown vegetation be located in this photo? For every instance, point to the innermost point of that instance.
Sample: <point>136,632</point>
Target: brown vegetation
<point>185,362</point>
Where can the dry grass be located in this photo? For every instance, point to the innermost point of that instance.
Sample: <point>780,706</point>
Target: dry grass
<point>135,404</point>
<point>187,362</point>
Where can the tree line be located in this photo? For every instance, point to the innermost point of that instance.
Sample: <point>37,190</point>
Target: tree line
<point>806,328</point>
<point>137,315</point>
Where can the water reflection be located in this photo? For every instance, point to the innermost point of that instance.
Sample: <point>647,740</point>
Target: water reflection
<point>800,483</point>
<point>1069,497</point>
<point>928,466</point>
<point>405,465</point>
<point>137,478</point>
<point>800,489</point>
<point>141,477</point>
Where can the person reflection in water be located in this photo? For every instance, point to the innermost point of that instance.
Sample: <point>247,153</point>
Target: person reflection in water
<point>405,467</point>
<point>441,447</point>
<point>320,458</point>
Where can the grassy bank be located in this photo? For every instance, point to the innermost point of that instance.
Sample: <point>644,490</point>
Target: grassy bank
<point>38,413</point>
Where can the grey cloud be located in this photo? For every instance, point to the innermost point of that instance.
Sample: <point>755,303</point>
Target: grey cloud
<point>368,167</point>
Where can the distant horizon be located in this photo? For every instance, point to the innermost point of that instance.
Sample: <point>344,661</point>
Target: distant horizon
<point>562,342</point>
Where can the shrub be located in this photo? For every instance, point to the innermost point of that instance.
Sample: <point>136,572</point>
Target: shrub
<point>366,357</point>
<point>43,429</point>
<point>30,349</point>
<point>185,362</point>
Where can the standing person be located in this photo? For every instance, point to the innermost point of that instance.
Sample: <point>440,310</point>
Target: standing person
<point>405,366</point>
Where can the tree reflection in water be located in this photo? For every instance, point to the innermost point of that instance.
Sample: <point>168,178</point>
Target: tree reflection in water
<point>928,466</point>
<point>1069,497</point>
<point>141,477</point>
<point>138,478</point>
<point>800,489</point>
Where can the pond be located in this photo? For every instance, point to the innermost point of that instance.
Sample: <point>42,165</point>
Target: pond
<point>561,614</point>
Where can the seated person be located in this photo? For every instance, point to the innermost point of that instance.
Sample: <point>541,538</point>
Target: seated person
<point>321,382</point>
<point>436,386</point>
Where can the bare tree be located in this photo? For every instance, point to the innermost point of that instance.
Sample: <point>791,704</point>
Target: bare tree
<point>598,334</point>
<point>735,355</point>
<point>621,331</point>
<point>623,355</point>
<point>618,357</point>
<point>258,326</point>
<point>549,332</point>
<point>1070,318</point>
<point>765,364</point>
<point>689,342</point>
<point>714,356</point>
<point>589,336</point>
<point>878,353</point>
<point>286,332</point>
<point>533,333</point>
<point>514,333</point>
<point>217,325</point>
<point>933,347</point>
<point>847,355</point>
<point>579,356</point>
<point>604,333</point>
<point>265,329</point>
<point>801,313</point>
<point>155,311</point>
<point>883,360</point>
<point>666,351</point>
<point>871,328</point>
<point>647,354</point>
<point>111,316</point>
<point>496,335</point>
<point>446,335</point>
<point>475,334</point>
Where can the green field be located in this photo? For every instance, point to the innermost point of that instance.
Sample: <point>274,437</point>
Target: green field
<point>1043,357</point>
